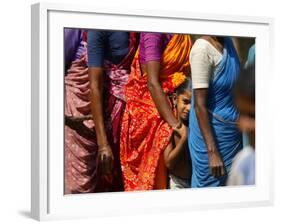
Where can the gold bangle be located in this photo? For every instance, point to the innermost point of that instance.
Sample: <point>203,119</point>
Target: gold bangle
<point>102,147</point>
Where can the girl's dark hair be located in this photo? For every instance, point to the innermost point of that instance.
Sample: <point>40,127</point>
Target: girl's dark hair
<point>185,86</point>
<point>245,84</point>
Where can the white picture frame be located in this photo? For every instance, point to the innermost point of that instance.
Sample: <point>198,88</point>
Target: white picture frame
<point>48,201</point>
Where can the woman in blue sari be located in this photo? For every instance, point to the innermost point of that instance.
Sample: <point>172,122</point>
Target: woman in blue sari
<point>214,138</point>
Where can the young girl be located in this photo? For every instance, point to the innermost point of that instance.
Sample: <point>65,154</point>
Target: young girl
<point>177,158</point>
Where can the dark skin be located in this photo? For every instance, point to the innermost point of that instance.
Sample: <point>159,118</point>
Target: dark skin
<point>96,85</point>
<point>105,155</point>
<point>175,155</point>
<point>216,165</point>
<point>76,123</point>
<point>159,97</point>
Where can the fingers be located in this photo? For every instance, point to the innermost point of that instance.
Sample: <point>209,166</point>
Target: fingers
<point>101,163</point>
<point>217,171</point>
<point>214,171</point>
<point>110,163</point>
<point>222,171</point>
<point>107,165</point>
<point>182,131</point>
<point>105,162</point>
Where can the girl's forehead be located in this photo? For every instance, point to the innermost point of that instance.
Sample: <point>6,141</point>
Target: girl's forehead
<point>186,94</point>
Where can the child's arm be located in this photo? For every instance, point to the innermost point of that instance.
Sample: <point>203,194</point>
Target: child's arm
<point>172,154</point>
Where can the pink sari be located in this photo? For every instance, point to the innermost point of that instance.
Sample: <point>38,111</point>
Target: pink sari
<point>81,173</point>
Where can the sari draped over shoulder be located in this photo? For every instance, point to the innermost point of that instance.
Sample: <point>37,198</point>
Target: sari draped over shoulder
<point>81,173</point>
<point>223,116</point>
<point>144,133</point>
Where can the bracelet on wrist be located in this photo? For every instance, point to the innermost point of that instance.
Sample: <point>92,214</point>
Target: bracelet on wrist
<point>102,147</point>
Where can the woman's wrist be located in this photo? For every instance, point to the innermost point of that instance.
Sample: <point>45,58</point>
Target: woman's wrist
<point>101,135</point>
<point>103,147</point>
<point>212,150</point>
<point>102,141</point>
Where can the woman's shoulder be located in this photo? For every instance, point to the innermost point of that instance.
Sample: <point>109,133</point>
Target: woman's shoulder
<point>151,36</point>
<point>203,46</point>
<point>200,48</point>
<point>203,43</point>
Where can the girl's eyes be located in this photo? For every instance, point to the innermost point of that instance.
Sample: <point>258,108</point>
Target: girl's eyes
<point>186,101</point>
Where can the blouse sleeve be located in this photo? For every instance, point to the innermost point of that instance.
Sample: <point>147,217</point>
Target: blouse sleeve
<point>72,39</point>
<point>96,48</point>
<point>201,67</point>
<point>152,46</point>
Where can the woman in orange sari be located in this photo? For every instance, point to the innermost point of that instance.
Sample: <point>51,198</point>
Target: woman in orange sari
<point>160,65</point>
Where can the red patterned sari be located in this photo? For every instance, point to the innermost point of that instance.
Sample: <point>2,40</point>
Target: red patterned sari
<point>144,133</point>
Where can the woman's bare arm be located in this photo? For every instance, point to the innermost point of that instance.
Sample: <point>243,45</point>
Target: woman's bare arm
<point>96,87</point>
<point>215,161</point>
<point>157,94</point>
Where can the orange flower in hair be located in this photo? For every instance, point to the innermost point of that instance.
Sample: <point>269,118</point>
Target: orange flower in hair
<point>178,78</point>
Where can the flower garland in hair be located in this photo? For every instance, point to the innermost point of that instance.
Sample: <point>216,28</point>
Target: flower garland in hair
<point>177,79</point>
<point>174,81</point>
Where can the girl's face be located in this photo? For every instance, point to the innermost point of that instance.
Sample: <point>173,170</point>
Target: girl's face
<point>183,105</point>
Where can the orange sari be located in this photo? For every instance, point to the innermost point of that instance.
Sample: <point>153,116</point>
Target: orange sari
<point>144,133</point>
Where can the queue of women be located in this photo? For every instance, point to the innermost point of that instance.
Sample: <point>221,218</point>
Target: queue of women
<point>148,111</point>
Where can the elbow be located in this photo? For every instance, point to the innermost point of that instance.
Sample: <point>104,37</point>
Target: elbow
<point>93,90</point>
<point>95,94</point>
<point>95,87</point>
<point>199,109</point>
<point>152,86</point>
<point>196,109</point>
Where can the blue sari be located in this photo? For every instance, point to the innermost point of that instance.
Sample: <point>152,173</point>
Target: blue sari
<point>223,116</point>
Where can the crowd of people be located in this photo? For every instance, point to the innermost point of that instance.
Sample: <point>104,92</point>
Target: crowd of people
<point>147,111</point>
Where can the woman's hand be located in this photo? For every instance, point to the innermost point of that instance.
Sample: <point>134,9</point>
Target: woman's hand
<point>76,123</point>
<point>77,119</point>
<point>216,165</point>
<point>105,160</point>
<point>181,130</point>
<point>105,156</point>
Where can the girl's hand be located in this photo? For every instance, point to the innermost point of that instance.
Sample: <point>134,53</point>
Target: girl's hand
<point>181,130</point>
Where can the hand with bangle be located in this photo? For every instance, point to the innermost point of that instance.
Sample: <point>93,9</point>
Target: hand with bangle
<point>105,159</point>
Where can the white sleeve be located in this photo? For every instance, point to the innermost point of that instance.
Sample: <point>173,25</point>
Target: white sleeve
<point>201,67</point>
<point>235,176</point>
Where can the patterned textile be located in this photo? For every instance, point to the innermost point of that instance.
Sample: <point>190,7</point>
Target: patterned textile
<point>144,134</point>
<point>223,115</point>
<point>81,174</point>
